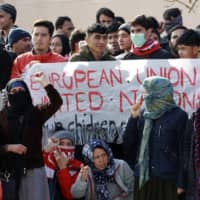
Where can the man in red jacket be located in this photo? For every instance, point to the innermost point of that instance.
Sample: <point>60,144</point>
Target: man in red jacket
<point>41,37</point>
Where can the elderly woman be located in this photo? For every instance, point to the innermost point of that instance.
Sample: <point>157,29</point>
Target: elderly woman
<point>155,143</point>
<point>104,178</point>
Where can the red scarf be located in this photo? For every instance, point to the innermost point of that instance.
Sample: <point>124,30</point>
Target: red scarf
<point>147,49</point>
<point>69,152</point>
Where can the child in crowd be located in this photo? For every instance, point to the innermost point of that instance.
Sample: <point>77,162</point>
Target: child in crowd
<point>61,166</point>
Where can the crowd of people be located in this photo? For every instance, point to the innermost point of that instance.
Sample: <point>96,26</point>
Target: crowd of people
<point>160,158</point>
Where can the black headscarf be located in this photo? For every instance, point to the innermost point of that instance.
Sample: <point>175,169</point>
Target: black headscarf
<point>20,100</point>
<point>20,117</point>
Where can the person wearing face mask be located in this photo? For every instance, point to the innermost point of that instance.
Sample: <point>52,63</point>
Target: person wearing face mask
<point>61,166</point>
<point>143,47</point>
<point>21,164</point>
<point>172,17</point>
<point>157,143</point>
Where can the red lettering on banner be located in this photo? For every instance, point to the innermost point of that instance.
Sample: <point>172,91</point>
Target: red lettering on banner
<point>34,85</point>
<point>182,76</point>
<point>92,78</point>
<point>197,104</point>
<point>176,72</point>
<point>185,100</point>
<point>67,100</point>
<point>138,77</point>
<point>79,100</point>
<point>100,104</point>
<point>127,99</point>
<point>93,99</point>
<point>90,85</point>
<point>150,72</point>
<point>178,98</point>
<point>117,77</point>
<point>175,75</point>
<point>163,72</point>
<point>55,80</point>
<point>67,85</point>
<point>191,81</point>
<point>104,77</point>
<point>79,77</point>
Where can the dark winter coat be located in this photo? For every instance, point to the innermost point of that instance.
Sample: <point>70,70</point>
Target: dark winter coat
<point>159,54</point>
<point>168,145</point>
<point>86,55</point>
<point>31,136</point>
<point>5,68</point>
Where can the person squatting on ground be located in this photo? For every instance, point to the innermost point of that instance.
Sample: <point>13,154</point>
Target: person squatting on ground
<point>61,166</point>
<point>21,164</point>
<point>103,178</point>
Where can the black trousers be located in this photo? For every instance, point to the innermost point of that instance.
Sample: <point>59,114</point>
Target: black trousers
<point>157,189</point>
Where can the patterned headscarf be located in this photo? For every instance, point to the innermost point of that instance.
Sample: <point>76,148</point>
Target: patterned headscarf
<point>101,177</point>
<point>158,100</point>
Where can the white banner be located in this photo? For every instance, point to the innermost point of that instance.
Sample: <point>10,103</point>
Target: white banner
<point>97,95</point>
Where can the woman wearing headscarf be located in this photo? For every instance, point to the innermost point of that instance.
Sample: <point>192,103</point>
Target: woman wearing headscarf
<point>103,178</point>
<point>21,163</point>
<point>155,143</point>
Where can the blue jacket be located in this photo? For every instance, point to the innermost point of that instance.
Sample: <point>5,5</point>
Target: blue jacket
<point>168,145</point>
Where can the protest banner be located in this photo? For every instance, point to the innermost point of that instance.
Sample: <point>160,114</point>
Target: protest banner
<point>97,95</point>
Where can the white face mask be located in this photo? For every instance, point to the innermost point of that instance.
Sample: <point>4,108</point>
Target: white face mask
<point>138,39</point>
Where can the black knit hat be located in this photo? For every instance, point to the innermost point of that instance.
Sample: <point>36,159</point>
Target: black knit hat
<point>8,8</point>
<point>125,27</point>
<point>17,34</point>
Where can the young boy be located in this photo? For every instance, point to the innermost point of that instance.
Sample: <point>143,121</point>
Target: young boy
<point>60,162</point>
<point>188,44</point>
